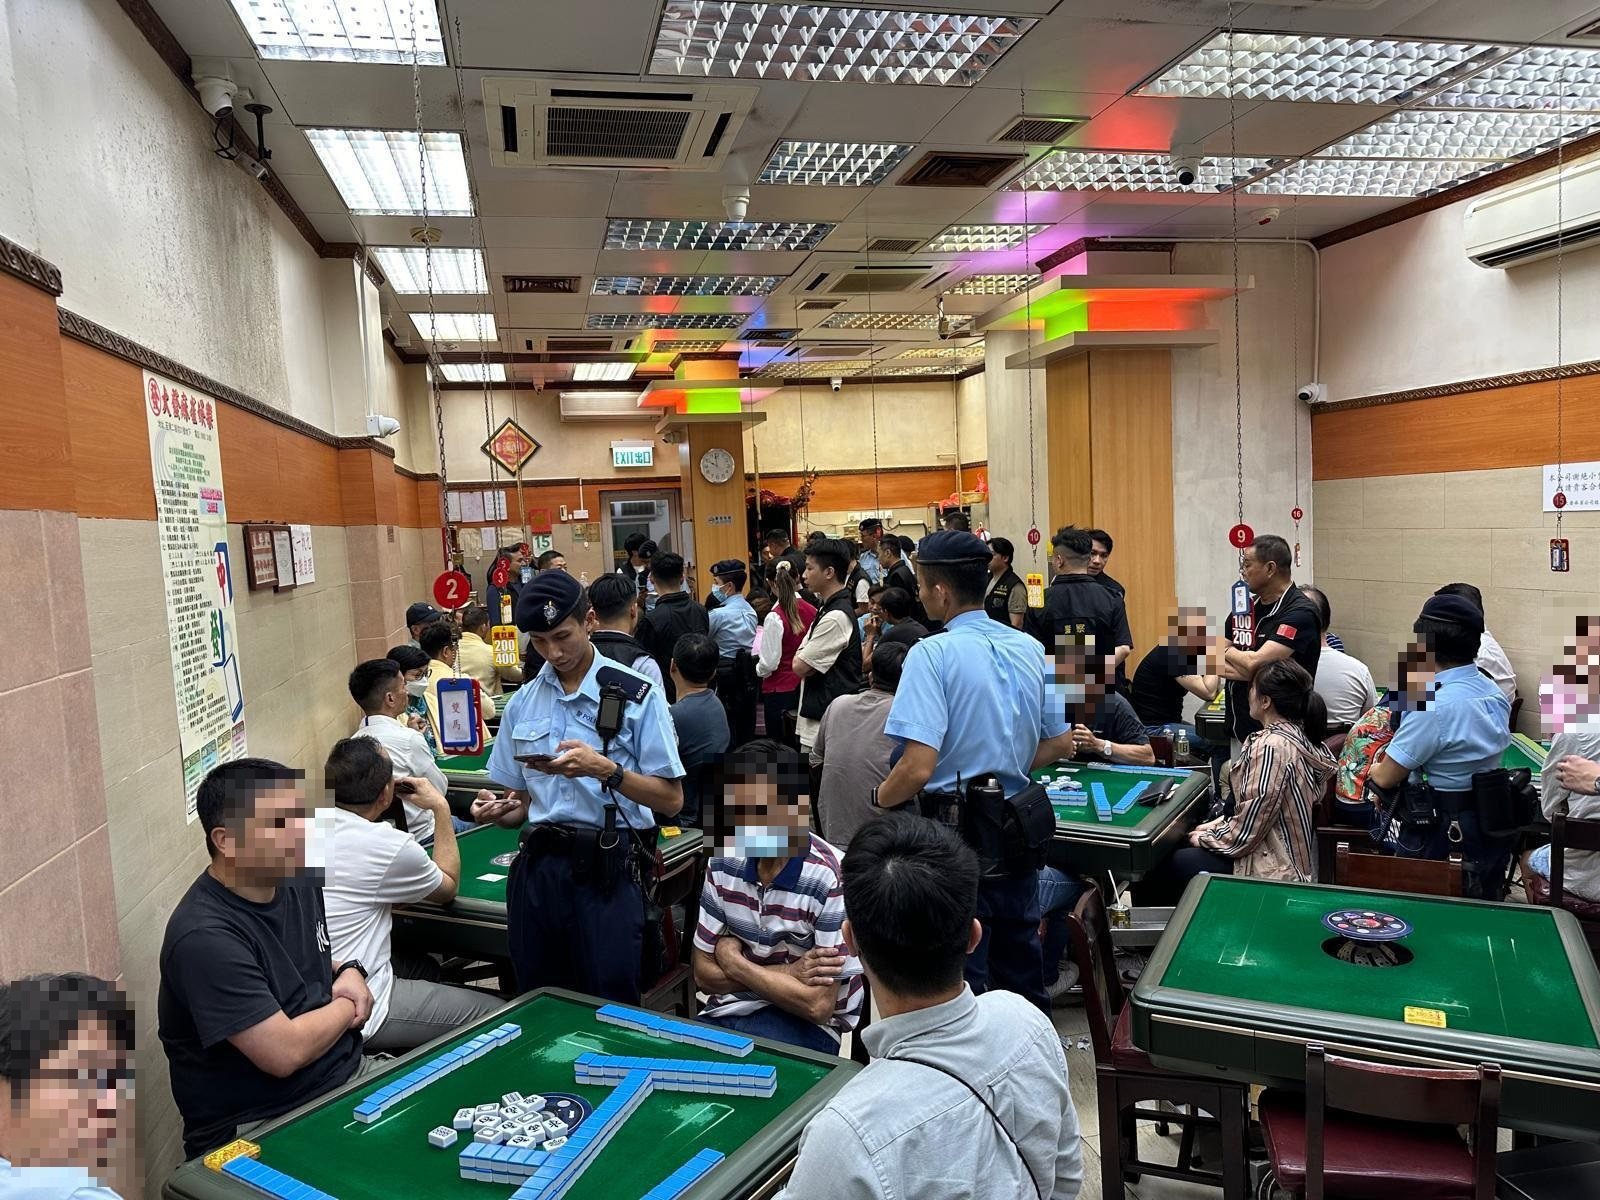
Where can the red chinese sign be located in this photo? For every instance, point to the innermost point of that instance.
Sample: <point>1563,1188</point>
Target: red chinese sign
<point>174,402</point>
<point>511,446</point>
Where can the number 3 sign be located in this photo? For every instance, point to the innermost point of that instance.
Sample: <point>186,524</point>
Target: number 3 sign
<point>450,590</point>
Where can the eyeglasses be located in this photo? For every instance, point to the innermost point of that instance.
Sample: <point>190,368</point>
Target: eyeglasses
<point>92,1080</point>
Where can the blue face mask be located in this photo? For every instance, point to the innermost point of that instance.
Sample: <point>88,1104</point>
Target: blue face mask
<point>720,592</point>
<point>761,841</point>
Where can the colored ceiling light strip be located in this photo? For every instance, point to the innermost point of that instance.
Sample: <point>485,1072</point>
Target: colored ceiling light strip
<point>455,272</point>
<point>889,320</point>
<point>664,321</point>
<point>1330,70</point>
<point>833,164</point>
<point>810,42</point>
<point>964,238</point>
<point>1135,171</point>
<point>473,372</point>
<point>376,171</point>
<point>365,31</point>
<point>1534,78</point>
<point>455,327</point>
<point>645,234</point>
<point>685,285</point>
<point>610,372</point>
<point>1368,177</point>
<point>992,285</point>
<point>1475,135</point>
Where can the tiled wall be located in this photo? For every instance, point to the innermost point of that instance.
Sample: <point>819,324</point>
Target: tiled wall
<point>296,649</point>
<point>1385,543</point>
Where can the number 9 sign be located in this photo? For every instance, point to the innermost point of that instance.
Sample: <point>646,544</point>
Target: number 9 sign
<point>1240,536</point>
<point>450,590</point>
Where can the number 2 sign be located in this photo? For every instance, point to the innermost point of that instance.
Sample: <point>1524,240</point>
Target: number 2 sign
<point>450,590</point>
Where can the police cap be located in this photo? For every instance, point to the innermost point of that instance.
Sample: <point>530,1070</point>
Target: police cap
<point>952,546</point>
<point>1458,610</point>
<point>547,601</point>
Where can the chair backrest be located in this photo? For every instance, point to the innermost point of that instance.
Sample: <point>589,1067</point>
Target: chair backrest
<point>1568,833</point>
<point>1103,995</point>
<point>1387,873</point>
<point>1407,1094</point>
<point>1335,741</point>
<point>1161,747</point>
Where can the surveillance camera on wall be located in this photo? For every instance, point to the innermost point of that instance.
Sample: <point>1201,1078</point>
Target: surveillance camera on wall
<point>217,93</point>
<point>1311,393</point>
<point>1186,164</point>
<point>254,165</point>
<point>836,383</point>
<point>736,202</point>
<point>381,426</point>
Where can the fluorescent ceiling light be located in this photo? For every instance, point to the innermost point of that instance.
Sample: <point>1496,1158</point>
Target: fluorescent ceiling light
<point>369,31</point>
<point>664,321</point>
<point>1115,171</point>
<point>984,237</point>
<point>378,174</point>
<point>888,320</point>
<point>1368,177</point>
<point>891,370</point>
<point>813,370</point>
<point>1333,70</point>
<point>610,372</point>
<point>455,272</point>
<point>1480,134</point>
<point>1537,77</point>
<point>687,346</point>
<point>833,164</point>
<point>809,42</point>
<point>473,372</point>
<point>973,351</point>
<point>627,234</point>
<point>455,326</point>
<point>992,285</point>
<point>685,285</point>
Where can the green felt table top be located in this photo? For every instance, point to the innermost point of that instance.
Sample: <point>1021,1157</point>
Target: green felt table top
<point>1524,752</point>
<point>464,764</point>
<point>330,1150</point>
<point>480,846</point>
<point>1117,782</point>
<point>1500,970</point>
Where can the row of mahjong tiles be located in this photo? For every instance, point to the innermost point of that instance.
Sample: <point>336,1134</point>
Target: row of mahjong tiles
<point>524,1140</point>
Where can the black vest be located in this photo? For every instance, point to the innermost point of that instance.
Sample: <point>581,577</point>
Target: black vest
<point>997,602</point>
<point>845,677</point>
<point>618,647</point>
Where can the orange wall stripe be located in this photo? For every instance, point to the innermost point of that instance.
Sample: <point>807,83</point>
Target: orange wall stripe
<point>36,447</point>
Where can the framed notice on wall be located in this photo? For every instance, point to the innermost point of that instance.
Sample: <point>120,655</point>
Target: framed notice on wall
<point>261,566</point>
<point>283,556</point>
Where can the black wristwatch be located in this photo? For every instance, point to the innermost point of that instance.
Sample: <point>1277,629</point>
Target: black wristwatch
<point>351,964</point>
<point>614,780</point>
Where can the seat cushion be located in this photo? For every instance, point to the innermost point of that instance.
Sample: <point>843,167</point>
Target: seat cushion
<point>1366,1159</point>
<point>1538,889</point>
<point>1125,1056</point>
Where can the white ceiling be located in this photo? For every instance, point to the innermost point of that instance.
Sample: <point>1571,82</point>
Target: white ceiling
<point>1081,59</point>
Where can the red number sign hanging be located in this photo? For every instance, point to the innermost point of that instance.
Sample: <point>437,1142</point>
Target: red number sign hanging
<point>500,573</point>
<point>1559,500</point>
<point>1296,513</point>
<point>450,590</point>
<point>1240,536</point>
<point>1033,536</point>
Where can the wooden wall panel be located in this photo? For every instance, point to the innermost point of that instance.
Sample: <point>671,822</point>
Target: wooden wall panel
<point>861,490</point>
<point>106,416</point>
<point>714,542</point>
<point>1500,427</point>
<point>1071,497</point>
<point>36,448</point>
<point>356,493</point>
<point>405,496</point>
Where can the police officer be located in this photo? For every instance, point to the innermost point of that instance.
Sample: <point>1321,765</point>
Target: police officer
<point>588,750</point>
<point>1461,732</point>
<point>971,704</point>
<point>1074,604</point>
<point>1006,598</point>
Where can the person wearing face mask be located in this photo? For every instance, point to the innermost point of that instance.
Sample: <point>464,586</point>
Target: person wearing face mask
<point>418,617</point>
<point>733,627</point>
<point>769,946</point>
<point>413,665</point>
<point>1104,726</point>
<point>1571,778</point>
<point>1372,732</point>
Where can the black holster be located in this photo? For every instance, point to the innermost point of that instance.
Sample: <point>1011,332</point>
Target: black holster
<point>1504,800</point>
<point>1009,833</point>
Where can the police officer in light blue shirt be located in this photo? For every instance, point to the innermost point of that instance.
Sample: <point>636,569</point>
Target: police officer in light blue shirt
<point>733,628</point>
<point>871,531</point>
<point>588,751</point>
<point>972,701</point>
<point>1461,731</point>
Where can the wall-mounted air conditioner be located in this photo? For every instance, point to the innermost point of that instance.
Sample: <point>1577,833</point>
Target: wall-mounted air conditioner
<point>1530,220</point>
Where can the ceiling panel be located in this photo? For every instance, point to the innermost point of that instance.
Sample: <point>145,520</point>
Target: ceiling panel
<point>1068,53</point>
<point>862,112</point>
<point>983,112</point>
<point>1284,128</point>
<point>209,28</point>
<point>313,193</point>
<point>608,36</point>
<point>548,233</point>
<point>363,95</point>
<point>505,193</point>
<point>1495,20</point>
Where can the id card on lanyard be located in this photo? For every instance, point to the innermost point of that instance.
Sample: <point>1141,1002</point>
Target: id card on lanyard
<point>460,720</point>
<point>1244,621</point>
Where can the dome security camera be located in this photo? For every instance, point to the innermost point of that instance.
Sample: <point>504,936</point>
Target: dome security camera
<point>1186,164</point>
<point>736,202</point>
<point>1311,393</point>
<point>217,94</point>
<point>836,383</point>
<point>381,426</point>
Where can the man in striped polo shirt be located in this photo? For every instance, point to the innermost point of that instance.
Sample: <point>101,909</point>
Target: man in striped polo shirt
<point>769,948</point>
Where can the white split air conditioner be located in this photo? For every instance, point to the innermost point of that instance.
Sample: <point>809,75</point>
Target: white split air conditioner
<point>1528,221</point>
<point>603,406</point>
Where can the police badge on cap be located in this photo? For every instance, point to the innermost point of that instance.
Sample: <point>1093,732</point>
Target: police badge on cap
<point>547,601</point>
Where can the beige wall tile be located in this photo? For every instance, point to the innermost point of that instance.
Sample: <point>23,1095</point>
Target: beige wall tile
<point>1436,556</point>
<point>361,544</point>
<point>1521,558</point>
<point>24,587</point>
<point>1502,499</point>
<point>366,608</point>
<point>266,643</point>
<point>136,704</point>
<point>1390,609</point>
<point>1349,554</point>
<point>80,732</point>
<point>95,881</point>
<point>30,943</point>
<point>146,826</point>
<point>1403,502</point>
<point>122,571</point>
<point>28,716</point>
<point>1336,504</point>
<point>1347,599</point>
<point>69,613</point>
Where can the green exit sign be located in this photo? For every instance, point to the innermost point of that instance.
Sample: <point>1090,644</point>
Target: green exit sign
<point>631,454</point>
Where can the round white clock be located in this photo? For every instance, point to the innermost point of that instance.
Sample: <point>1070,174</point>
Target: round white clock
<point>716,465</point>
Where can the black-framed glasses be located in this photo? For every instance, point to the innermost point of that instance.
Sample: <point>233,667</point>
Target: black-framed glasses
<point>91,1080</point>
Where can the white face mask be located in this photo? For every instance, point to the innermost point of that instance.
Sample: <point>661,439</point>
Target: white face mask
<point>527,574</point>
<point>1074,693</point>
<point>760,841</point>
<point>417,687</point>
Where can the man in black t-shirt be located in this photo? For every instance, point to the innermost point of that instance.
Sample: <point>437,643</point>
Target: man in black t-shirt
<point>1074,604</point>
<point>255,1016</point>
<point>675,614</point>
<point>1172,672</point>
<point>1287,625</point>
<point>1104,726</point>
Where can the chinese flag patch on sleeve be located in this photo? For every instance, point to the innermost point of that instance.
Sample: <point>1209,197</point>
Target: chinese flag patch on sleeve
<point>1287,631</point>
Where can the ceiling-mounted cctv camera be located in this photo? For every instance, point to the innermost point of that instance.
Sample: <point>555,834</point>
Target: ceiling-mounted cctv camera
<point>381,426</point>
<point>736,202</point>
<point>254,165</point>
<point>836,383</point>
<point>1186,164</point>
<point>1311,393</point>
<point>217,93</point>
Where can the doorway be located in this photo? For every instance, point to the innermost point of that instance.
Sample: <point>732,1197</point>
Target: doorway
<point>652,513</point>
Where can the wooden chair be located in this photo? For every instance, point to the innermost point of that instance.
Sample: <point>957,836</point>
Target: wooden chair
<point>858,1049</point>
<point>1161,747</point>
<point>1125,1077</point>
<point>1388,873</point>
<point>1325,1144</point>
<point>1569,833</point>
<point>680,884</point>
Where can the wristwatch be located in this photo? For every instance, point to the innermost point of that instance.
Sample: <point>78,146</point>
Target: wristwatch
<point>1105,747</point>
<point>351,964</point>
<point>614,780</point>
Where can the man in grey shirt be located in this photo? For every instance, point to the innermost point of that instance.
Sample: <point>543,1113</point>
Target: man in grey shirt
<point>966,1096</point>
<point>853,751</point>
<point>1343,680</point>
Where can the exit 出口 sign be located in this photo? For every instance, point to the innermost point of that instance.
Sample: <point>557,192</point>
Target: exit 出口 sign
<point>633,454</point>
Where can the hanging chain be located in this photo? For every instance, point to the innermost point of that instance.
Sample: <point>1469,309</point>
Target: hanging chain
<point>1561,244</point>
<point>872,356</point>
<point>1027,271</point>
<point>1233,196</point>
<point>1294,356</point>
<point>433,315</point>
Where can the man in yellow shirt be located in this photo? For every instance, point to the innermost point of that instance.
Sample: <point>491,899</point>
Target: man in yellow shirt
<point>439,644</point>
<point>475,653</point>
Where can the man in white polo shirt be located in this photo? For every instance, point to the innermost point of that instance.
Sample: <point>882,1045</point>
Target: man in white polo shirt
<point>372,866</point>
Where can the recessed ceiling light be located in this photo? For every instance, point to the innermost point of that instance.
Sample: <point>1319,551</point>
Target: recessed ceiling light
<point>1332,70</point>
<point>1368,177</point>
<point>984,237</point>
<point>992,285</point>
<point>973,351</point>
<point>369,31</point>
<point>455,326</point>
<point>687,345</point>
<point>611,372</point>
<point>1114,171</point>
<point>627,234</point>
<point>664,320</point>
<point>833,164</point>
<point>455,272</point>
<point>809,42</point>
<point>378,174</point>
<point>890,370</point>
<point>473,372</point>
<point>1479,134</point>
<point>1537,77</point>
<point>685,285</point>
<point>814,370</point>
<point>888,320</point>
